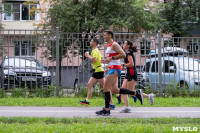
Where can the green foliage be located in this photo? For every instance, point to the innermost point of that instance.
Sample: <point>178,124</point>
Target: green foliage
<point>3,50</point>
<point>98,15</point>
<point>176,90</point>
<point>26,92</point>
<point>2,93</point>
<point>91,125</point>
<point>18,92</point>
<point>99,102</point>
<point>176,14</point>
<point>38,92</point>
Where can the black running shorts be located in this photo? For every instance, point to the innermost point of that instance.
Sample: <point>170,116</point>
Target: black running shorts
<point>98,75</point>
<point>131,77</point>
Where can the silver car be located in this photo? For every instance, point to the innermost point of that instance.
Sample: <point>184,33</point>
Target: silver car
<point>180,71</point>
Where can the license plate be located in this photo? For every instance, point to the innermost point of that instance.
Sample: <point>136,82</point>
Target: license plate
<point>29,79</point>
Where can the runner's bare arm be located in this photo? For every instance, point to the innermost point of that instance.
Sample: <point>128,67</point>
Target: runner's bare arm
<point>130,60</point>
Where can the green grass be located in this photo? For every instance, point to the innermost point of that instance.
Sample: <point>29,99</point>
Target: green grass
<point>81,125</point>
<point>99,102</point>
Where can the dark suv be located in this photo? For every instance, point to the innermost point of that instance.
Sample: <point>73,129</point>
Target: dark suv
<point>21,72</point>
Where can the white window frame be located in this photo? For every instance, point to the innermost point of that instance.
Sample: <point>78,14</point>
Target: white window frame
<point>36,13</point>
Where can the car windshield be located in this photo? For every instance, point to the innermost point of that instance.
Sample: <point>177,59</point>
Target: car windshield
<point>21,63</point>
<point>190,65</point>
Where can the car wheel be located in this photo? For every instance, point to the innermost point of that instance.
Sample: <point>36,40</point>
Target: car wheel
<point>76,88</point>
<point>183,85</point>
<point>184,88</point>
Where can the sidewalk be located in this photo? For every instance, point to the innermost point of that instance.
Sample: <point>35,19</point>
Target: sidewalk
<point>89,112</point>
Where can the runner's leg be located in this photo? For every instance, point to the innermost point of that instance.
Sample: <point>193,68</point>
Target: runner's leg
<point>101,82</point>
<point>130,86</point>
<point>110,80</point>
<point>90,84</point>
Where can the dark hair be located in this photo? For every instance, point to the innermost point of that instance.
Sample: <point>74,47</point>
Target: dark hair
<point>96,40</point>
<point>109,33</point>
<point>132,47</point>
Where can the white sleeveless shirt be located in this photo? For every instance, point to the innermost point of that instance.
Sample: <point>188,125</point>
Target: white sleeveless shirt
<point>113,64</point>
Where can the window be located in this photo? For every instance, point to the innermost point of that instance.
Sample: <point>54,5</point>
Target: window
<point>145,47</point>
<point>171,42</point>
<point>154,67</point>
<point>168,64</point>
<point>19,11</point>
<point>7,11</point>
<point>24,48</point>
<point>147,67</point>
<point>16,11</point>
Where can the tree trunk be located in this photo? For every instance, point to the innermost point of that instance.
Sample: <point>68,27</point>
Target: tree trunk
<point>177,39</point>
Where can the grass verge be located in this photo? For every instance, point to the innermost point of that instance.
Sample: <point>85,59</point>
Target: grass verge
<point>99,102</point>
<point>79,125</point>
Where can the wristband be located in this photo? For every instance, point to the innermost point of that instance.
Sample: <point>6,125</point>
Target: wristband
<point>123,65</point>
<point>113,57</point>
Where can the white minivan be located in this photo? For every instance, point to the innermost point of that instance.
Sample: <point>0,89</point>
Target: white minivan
<point>181,71</point>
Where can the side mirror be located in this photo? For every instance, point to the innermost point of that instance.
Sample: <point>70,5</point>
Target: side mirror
<point>46,67</point>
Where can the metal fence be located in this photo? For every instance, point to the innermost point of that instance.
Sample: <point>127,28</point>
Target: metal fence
<point>43,59</point>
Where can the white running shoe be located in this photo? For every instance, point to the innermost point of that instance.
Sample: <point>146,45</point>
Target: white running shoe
<point>151,99</point>
<point>125,110</point>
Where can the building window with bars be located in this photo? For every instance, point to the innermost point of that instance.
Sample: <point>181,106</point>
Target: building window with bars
<point>145,47</point>
<point>24,48</point>
<point>193,46</point>
<point>171,42</point>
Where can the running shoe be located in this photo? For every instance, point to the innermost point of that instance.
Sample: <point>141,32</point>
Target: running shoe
<point>139,95</point>
<point>151,99</point>
<point>84,102</point>
<point>112,107</point>
<point>125,110</point>
<point>135,98</point>
<point>119,99</point>
<point>103,112</point>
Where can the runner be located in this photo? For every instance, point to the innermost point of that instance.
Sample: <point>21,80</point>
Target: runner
<point>98,74</point>
<point>114,53</point>
<point>131,75</point>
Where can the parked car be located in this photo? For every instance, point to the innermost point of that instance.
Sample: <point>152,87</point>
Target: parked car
<point>179,70</point>
<point>20,71</point>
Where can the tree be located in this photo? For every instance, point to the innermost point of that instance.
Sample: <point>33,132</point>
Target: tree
<point>97,15</point>
<point>179,16</point>
<point>93,16</point>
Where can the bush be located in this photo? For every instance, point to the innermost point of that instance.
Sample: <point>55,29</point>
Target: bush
<point>26,92</point>
<point>18,92</point>
<point>2,93</point>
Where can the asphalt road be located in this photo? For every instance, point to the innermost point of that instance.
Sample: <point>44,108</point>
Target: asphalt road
<point>70,112</point>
